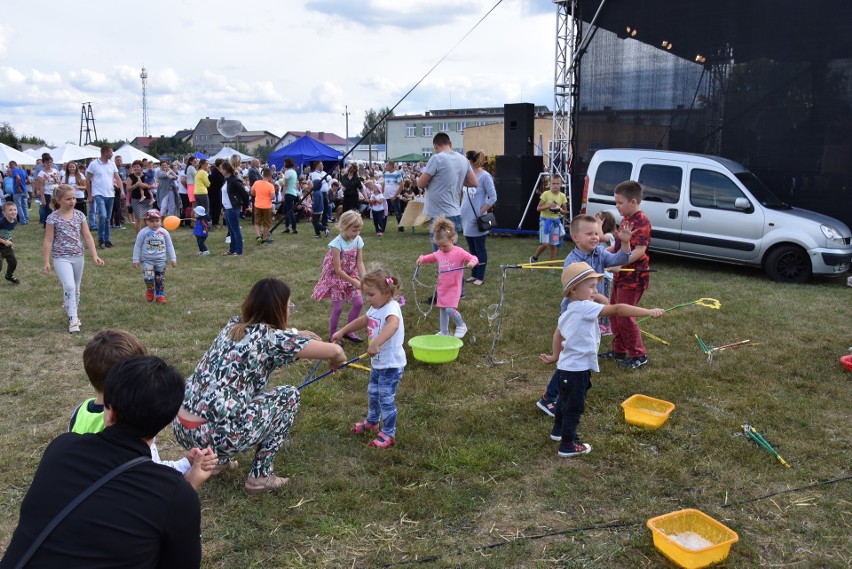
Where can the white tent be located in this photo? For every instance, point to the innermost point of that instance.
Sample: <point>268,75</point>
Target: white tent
<point>7,154</point>
<point>42,150</point>
<point>71,152</point>
<point>227,152</point>
<point>130,153</point>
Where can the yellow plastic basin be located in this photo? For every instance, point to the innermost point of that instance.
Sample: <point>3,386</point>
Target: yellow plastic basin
<point>644,411</point>
<point>691,538</point>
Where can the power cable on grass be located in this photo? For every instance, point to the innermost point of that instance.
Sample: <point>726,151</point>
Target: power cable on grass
<point>613,525</point>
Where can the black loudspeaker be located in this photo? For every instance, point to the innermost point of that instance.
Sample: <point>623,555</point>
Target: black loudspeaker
<point>512,197</point>
<point>525,168</point>
<point>514,180</point>
<point>518,129</point>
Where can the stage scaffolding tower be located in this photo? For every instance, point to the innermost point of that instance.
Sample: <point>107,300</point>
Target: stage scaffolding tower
<point>566,90</point>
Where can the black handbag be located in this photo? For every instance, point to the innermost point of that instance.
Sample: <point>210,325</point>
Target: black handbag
<point>484,222</point>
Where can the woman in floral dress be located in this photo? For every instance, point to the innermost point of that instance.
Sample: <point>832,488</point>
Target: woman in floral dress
<point>226,405</point>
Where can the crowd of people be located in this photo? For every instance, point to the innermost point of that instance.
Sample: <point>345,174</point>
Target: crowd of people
<point>225,407</point>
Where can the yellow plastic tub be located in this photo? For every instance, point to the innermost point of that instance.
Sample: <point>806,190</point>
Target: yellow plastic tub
<point>691,538</point>
<point>435,349</point>
<point>644,411</point>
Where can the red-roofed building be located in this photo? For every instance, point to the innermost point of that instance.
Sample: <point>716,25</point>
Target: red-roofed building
<point>142,142</point>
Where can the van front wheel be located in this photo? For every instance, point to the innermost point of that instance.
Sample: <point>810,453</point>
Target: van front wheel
<point>788,264</point>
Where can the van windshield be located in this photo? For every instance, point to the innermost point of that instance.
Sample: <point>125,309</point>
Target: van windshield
<point>759,190</point>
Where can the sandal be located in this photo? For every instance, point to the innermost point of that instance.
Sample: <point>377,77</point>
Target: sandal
<point>383,441</point>
<point>225,467</point>
<point>476,282</point>
<point>271,483</point>
<point>362,427</point>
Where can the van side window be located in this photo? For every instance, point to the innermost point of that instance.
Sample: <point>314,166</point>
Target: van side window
<point>714,190</point>
<point>610,174</point>
<point>661,183</point>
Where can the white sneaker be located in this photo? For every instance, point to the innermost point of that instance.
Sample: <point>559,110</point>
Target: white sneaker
<point>228,239</point>
<point>460,331</point>
<point>73,326</point>
<point>439,333</point>
<point>205,253</point>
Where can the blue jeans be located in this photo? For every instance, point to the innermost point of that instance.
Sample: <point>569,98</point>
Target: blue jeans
<point>232,220</point>
<point>476,245</point>
<point>381,394</point>
<point>44,208</point>
<point>103,207</point>
<point>93,219</point>
<point>20,200</point>
<point>290,217</point>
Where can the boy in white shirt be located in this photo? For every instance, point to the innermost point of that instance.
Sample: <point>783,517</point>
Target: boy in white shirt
<point>575,351</point>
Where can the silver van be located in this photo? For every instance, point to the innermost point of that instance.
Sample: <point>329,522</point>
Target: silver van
<point>713,208</point>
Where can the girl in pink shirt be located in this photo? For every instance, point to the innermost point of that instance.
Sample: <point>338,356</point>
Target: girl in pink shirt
<point>448,257</point>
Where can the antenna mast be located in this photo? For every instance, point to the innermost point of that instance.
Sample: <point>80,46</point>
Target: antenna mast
<point>144,77</point>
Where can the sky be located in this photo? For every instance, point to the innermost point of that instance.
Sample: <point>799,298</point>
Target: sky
<point>276,66</point>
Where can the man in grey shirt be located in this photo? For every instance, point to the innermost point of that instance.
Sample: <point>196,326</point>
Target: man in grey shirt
<point>443,178</point>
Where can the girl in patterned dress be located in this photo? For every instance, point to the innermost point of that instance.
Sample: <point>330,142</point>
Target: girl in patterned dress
<point>342,271</point>
<point>226,405</point>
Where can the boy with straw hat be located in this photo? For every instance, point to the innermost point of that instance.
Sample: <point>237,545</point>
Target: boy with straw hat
<point>575,351</point>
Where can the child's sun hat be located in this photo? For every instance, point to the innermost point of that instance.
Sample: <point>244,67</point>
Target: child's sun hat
<point>199,210</point>
<point>574,274</point>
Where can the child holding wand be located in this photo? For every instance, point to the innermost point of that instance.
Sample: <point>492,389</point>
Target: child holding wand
<point>575,351</point>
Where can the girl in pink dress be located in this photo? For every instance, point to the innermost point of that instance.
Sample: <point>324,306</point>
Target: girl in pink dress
<point>342,271</point>
<point>448,257</point>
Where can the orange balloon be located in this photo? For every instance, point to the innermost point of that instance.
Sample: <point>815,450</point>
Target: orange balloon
<point>171,222</point>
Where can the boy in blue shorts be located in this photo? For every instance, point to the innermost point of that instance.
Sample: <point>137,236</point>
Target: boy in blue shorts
<point>575,351</point>
<point>552,205</point>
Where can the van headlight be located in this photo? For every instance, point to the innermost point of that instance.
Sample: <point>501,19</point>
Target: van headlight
<point>832,234</point>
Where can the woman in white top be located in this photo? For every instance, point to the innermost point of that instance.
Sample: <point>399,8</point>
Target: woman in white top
<point>475,202</point>
<point>73,178</point>
<point>46,181</point>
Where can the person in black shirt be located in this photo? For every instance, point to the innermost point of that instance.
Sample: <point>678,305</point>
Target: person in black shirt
<point>146,517</point>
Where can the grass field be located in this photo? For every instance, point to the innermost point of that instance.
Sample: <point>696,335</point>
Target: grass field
<point>474,480</point>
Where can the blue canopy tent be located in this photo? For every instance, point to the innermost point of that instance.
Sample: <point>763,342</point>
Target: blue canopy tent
<point>303,151</point>
<point>200,156</point>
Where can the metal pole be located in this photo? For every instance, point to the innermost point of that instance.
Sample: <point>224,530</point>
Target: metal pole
<point>346,114</point>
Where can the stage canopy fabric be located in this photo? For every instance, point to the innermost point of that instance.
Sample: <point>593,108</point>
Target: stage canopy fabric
<point>304,150</point>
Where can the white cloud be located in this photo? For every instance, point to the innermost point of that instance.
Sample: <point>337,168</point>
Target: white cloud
<point>12,75</point>
<point>295,66</point>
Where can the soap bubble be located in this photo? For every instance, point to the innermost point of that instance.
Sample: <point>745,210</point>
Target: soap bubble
<point>229,128</point>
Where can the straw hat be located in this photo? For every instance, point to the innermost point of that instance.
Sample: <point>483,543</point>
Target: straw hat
<point>574,274</point>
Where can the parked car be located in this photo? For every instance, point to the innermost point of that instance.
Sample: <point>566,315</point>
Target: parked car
<point>713,208</point>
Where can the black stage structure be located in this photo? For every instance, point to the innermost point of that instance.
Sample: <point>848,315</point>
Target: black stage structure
<point>767,83</point>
